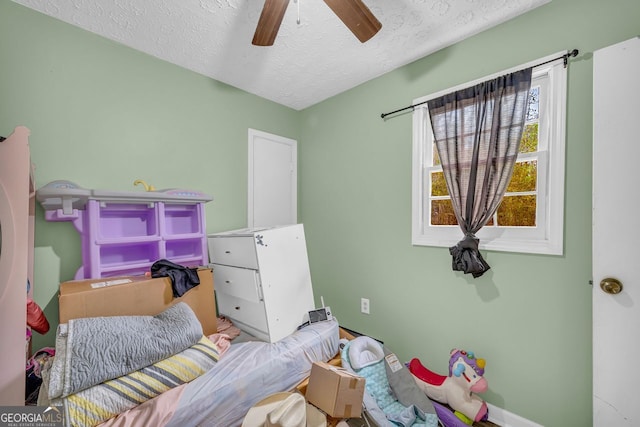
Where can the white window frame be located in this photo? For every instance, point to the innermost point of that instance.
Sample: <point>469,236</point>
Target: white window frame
<point>548,236</point>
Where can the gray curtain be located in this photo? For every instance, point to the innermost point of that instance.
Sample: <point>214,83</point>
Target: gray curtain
<point>477,133</point>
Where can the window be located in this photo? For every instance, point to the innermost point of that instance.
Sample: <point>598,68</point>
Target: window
<point>530,217</point>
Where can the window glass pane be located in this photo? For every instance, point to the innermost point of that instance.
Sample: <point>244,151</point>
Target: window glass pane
<point>517,211</point>
<point>524,178</point>
<point>536,187</point>
<point>438,184</point>
<point>442,213</point>
<point>534,104</point>
<point>529,141</point>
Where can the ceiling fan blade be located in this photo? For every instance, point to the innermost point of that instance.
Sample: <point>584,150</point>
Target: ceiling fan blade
<point>357,17</point>
<point>269,22</point>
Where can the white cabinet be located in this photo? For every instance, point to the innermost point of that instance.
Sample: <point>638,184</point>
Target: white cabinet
<point>263,281</point>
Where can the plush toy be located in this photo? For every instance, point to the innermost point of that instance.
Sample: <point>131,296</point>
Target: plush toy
<point>458,389</point>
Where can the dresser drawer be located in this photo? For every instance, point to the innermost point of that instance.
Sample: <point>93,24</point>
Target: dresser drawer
<point>238,282</point>
<point>234,251</point>
<point>242,311</point>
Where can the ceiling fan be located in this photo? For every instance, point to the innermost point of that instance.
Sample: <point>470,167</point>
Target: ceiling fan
<point>353,13</point>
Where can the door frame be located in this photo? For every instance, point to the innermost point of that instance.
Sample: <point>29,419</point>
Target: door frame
<point>254,135</point>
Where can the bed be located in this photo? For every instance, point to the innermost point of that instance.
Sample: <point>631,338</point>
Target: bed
<point>218,393</point>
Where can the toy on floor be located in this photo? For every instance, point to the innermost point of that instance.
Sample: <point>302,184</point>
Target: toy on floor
<point>458,389</point>
<point>391,396</point>
<point>450,418</point>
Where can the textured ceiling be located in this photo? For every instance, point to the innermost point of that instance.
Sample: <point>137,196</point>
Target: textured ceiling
<point>309,62</point>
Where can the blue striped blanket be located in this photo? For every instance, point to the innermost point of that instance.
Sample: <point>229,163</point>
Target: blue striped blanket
<point>97,404</point>
<point>92,350</point>
<point>106,365</point>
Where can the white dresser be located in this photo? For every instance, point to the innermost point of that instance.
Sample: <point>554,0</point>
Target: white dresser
<point>262,277</point>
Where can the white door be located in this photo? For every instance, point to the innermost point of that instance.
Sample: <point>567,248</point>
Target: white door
<point>273,177</point>
<point>616,235</point>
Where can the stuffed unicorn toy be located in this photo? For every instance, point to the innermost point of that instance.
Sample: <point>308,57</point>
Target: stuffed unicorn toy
<point>457,390</point>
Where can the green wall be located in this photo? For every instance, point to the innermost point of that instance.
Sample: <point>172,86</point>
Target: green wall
<point>530,315</point>
<point>103,115</point>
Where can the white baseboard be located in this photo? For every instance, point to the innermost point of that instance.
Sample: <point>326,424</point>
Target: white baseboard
<point>507,419</point>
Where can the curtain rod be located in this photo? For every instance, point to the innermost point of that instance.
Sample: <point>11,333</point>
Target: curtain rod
<point>565,57</point>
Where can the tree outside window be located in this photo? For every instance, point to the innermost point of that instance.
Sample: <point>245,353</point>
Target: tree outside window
<point>530,216</point>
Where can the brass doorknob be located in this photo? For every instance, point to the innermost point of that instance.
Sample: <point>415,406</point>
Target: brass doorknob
<point>611,285</point>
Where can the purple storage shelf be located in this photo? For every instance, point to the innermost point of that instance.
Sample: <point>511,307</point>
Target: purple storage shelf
<point>118,221</point>
<point>123,255</point>
<point>124,233</point>
<point>124,271</point>
<point>182,219</point>
<point>183,249</point>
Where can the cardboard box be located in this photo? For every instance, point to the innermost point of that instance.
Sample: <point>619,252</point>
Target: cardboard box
<point>336,391</point>
<point>135,295</point>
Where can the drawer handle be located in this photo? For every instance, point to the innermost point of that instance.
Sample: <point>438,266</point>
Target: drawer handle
<point>227,252</point>
<point>227,281</point>
<point>237,307</point>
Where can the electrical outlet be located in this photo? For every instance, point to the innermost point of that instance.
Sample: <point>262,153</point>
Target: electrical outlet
<point>364,305</point>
